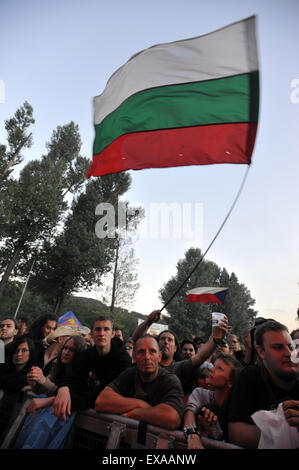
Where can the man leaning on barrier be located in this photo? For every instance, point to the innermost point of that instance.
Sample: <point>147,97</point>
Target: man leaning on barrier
<point>146,392</point>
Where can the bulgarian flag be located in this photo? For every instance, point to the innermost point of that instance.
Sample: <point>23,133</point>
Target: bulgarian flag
<point>189,102</point>
<point>207,295</point>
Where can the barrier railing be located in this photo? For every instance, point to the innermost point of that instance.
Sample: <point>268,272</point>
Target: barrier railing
<point>17,417</point>
<point>92,430</point>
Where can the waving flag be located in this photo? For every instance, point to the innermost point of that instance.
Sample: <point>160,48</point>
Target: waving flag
<point>69,319</point>
<point>189,102</point>
<point>207,295</point>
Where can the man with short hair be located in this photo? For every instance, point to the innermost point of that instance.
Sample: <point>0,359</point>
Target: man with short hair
<point>93,369</point>
<point>8,333</point>
<point>8,330</point>
<point>146,392</point>
<point>263,386</point>
<point>168,343</point>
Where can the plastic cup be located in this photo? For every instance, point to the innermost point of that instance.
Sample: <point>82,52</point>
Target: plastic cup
<point>216,318</point>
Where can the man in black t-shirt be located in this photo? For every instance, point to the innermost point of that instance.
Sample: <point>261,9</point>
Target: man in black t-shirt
<point>92,370</point>
<point>264,386</point>
<point>146,392</point>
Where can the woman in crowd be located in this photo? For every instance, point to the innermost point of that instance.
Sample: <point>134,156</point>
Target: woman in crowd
<point>13,375</point>
<point>41,429</point>
<point>48,384</point>
<point>13,380</point>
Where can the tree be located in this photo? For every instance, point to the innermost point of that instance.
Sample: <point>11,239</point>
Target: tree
<point>121,284</point>
<point>32,304</point>
<point>17,138</point>
<point>77,258</point>
<point>195,318</point>
<point>33,205</point>
<point>85,309</point>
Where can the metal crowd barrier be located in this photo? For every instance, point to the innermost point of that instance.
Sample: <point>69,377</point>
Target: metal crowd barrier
<point>17,416</point>
<point>92,430</point>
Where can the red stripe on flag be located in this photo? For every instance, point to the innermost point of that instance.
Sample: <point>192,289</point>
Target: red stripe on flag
<point>203,298</point>
<point>202,145</point>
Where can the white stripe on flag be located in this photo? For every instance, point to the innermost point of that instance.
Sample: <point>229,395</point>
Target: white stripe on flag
<point>225,52</point>
<point>206,290</point>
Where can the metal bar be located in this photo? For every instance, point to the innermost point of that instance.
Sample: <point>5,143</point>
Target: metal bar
<point>116,433</point>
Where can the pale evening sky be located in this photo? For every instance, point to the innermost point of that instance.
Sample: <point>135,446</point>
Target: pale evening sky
<point>58,55</point>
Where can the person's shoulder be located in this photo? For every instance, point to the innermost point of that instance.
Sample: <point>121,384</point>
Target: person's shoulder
<point>251,371</point>
<point>127,376</point>
<point>200,392</point>
<point>167,375</point>
<point>249,374</point>
<point>182,367</point>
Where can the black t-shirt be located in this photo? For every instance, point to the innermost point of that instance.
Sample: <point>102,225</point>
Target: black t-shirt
<point>166,388</point>
<point>91,373</point>
<point>254,391</point>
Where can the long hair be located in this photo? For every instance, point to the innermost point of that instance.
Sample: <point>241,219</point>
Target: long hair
<point>15,344</point>
<point>177,355</point>
<point>60,370</point>
<point>36,327</point>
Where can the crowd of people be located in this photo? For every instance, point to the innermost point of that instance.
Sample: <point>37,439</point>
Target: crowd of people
<point>210,388</point>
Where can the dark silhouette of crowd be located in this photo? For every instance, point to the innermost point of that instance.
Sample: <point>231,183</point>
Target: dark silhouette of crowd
<point>214,388</point>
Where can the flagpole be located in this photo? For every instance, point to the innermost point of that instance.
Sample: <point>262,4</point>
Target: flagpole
<point>15,315</point>
<point>212,242</point>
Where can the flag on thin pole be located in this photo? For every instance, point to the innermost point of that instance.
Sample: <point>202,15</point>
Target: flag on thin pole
<point>207,294</point>
<point>189,102</point>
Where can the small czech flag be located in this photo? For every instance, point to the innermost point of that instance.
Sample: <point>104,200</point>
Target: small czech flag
<point>207,295</point>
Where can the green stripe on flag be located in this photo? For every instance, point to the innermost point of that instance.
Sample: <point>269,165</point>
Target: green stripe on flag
<point>231,99</point>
